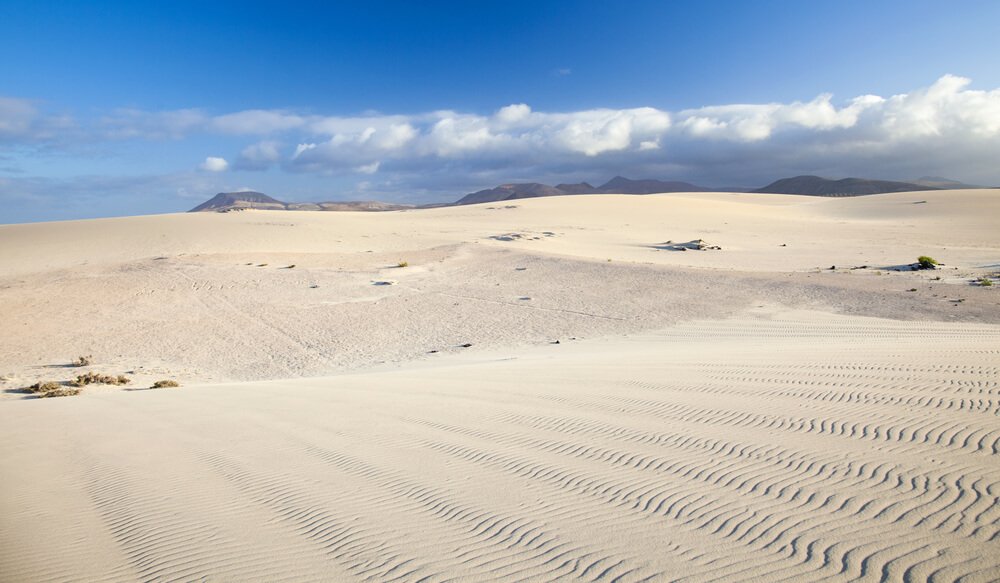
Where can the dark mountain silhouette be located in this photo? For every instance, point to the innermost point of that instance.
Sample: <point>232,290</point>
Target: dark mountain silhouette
<point>617,185</point>
<point>943,183</point>
<point>511,192</point>
<point>578,188</point>
<point>622,185</point>
<point>228,201</point>
<point>816,186</point>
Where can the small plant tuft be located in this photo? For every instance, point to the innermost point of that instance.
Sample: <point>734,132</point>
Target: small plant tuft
<point>42,387</point>
<point>83,360</point>
<point>165,384</point>
<point>985,282</point>
<point>45,389</point>
<point>926,262</point>
<point>403,264</point>
<point>60,392</point>
<point>93,378</point>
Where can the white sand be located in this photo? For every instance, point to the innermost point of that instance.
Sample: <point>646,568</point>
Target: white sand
<point>717,415</point>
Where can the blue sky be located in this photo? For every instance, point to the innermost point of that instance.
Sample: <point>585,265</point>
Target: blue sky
<point>119,108</point>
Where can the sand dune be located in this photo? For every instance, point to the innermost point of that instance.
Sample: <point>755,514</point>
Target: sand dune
<point>794,445</point>
<point>209,297</point>
<point>705,415</point>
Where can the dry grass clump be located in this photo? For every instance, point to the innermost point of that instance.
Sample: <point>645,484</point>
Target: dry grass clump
<point>83,360</point>
<point>45,389</point>
<point>42,387</point>
<point>93,378</point>
<point>165,384</point>
<point>60,392</point>
<point>403,264</point>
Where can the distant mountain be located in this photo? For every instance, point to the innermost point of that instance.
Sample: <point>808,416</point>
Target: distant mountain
<point>617,185</point>
<point>348,206</point>
<point>232,200</point>
<point>622,185</point>
<point>511,192</point>
<point>578,188</point>
<point>816,186</point>
<point>943,183</point>
<point>228,201</point>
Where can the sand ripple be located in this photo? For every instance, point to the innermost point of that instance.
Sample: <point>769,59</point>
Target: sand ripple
<point>800,447</point>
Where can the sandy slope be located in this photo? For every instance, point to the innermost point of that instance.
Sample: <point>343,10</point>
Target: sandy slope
<point>798,446</point>
<point>206,297</point>
<point>706,415</point>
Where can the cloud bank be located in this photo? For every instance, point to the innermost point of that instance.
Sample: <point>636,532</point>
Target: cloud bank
<point>945,128</point>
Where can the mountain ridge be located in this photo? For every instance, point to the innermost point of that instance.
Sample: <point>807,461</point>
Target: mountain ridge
<point>816,186</point>
<point>249,199</point>
<point>617,185</point>
<point>808,185</point>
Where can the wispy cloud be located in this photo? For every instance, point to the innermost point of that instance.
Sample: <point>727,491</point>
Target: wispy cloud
<point>259,156</point>
<point>21,123</point>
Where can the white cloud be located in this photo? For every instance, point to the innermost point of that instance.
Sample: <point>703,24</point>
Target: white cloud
<point>257,122</point>
<point>157,125</point>
<point>945,128</point>
<point>16,116</point>
<point>368,168</point>
<point>213,164</point>
<point>512,114</point>
<point>22,122</point>
<point>259,156</point>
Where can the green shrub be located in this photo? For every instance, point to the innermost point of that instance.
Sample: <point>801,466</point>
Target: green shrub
<point>926,262</point>
<point>985,282</point>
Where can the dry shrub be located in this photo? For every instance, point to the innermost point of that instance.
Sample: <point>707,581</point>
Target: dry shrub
<point>93,378</point>
<point>42,387</point>
<point>60,392</point>
<point>165,384</point>
<point>46,389</point>
<point>83,360</point>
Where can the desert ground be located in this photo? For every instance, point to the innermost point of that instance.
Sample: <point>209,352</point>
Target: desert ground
<point>561,388</point>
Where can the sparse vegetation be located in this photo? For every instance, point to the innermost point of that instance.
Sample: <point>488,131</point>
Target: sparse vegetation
<point>42,387</point>
<point>985,281</point>
<point>93,378</point>
<point>926,262</point>
<point>45,389</point>
<point>165,384</point>
<point>83,360</point>
<point>60,392</point>
<point>403,264</point>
